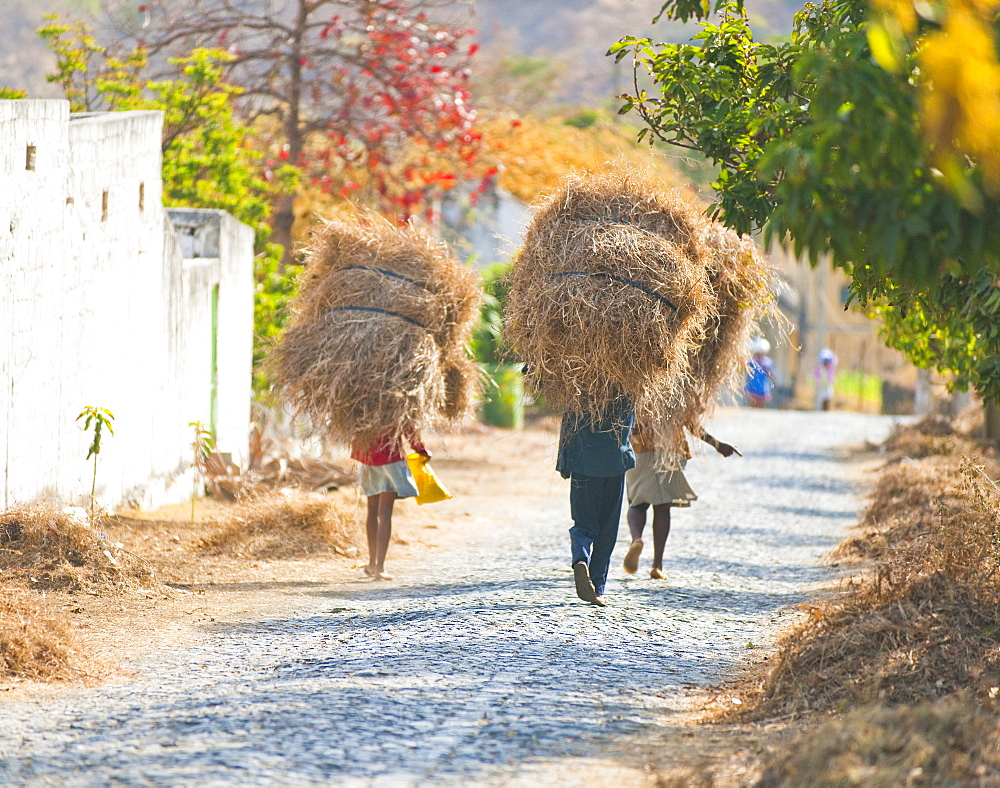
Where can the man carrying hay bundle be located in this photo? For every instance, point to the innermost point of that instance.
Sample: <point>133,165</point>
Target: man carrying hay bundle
<point>376,352</point>
<point>625,294</point>
<point>609,299</point>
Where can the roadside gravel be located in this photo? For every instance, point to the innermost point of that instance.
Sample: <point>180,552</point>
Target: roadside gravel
<point>478,665</point>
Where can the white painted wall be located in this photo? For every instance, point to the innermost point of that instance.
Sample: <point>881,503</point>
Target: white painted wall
<point>98,306</point>
<point>492,229</point>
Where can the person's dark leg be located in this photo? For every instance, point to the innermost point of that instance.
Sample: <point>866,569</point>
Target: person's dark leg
<point>386,501</point>
<point>637,520</point>
<point>582,508</point>
<point>609,512</point>
<point>636,517</point>
<point>581,505</point>
<point>371,532</point>
<point>661,530</point>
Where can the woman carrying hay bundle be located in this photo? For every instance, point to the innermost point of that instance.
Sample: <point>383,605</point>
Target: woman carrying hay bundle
<point>376,352</point>
<point>740,280</point>
<point>383,477</point>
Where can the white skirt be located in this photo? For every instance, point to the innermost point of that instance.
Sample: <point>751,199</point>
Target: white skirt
<point>394,477</point>
<point>645,484</point>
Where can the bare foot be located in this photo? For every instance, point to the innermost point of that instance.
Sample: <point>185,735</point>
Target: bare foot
<point>381,575</point>
<point>370,571</point>
<point>657,574</point>
<point>632,557</point>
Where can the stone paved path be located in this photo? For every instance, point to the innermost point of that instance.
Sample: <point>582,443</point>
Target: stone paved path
<point>479,667</point>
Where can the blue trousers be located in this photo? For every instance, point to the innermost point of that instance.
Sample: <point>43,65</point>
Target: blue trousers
<point>596,506</point>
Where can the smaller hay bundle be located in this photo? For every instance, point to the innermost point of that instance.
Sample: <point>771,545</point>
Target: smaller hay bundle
<point>740,277</point>
<point>609,294</point>
<point>379,332</point>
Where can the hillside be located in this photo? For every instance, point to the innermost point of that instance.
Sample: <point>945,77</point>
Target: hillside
<point>575,33</point>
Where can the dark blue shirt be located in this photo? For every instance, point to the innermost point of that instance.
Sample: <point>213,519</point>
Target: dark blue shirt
<point>597,447</point>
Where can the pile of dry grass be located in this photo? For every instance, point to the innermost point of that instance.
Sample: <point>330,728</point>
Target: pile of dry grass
<point>948,742</point>
<point>623,289</point>
<point>379,333</point>
<point>32,645</point>
<point>287,524</point>
<point>929,437</point>
<point>610,295</point>
<point>922,623</point>
<point>48,547</point>
<point>903,509</point>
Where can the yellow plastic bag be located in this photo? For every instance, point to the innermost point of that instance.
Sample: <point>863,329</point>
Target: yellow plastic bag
<point>429,489</point>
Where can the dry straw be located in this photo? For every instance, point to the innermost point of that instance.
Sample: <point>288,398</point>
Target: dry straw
<point>286,524</point>
<point>610,295</point>
<point>33,644</point>
<point>49,547</point>
<point>379,333</point>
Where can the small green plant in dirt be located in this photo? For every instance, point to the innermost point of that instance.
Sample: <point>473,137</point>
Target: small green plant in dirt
<point>95,420</point>
<point>202,444</point>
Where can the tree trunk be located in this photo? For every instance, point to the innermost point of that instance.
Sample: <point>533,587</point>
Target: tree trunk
<point>284,218</point>
<point>991,420</point>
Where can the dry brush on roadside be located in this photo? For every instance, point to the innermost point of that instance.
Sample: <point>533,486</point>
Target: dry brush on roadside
<point>47,548</point>
<point>287,524</point>
<point>908,656</point>
<point>33,644</point>
<point>952,741</point>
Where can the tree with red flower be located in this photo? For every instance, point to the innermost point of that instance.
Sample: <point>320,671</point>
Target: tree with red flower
<point>348,83</point>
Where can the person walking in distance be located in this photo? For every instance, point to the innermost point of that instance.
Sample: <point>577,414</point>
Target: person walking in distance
<point>594,455</point>
<point>760,374</point>
<point>650,485</point>
<point>383,477</point>
<point>824,375</point>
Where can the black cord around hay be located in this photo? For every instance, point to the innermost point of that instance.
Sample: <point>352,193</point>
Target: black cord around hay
<point>623,281</point>
<point>385,271</point>
<point>380,311</point>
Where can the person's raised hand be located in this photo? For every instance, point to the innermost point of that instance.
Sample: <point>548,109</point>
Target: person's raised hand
<point>727,449</point>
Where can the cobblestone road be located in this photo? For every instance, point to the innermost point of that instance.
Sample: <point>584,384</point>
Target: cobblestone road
<point>479,666</point>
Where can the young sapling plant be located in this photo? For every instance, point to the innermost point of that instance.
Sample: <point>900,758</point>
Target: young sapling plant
<point>96,420</point>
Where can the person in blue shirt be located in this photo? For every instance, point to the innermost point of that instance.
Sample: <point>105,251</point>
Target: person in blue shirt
<point>594,455</point>
<point>760,374</point>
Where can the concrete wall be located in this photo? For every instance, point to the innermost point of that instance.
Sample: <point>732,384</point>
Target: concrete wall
<point>491,229</point>
<point>99,306</point>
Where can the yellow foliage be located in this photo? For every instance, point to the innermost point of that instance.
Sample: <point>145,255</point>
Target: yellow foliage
<point>900,10</point>
<point>960,90</point>
<point>533,155</point>
<point>960,100</point>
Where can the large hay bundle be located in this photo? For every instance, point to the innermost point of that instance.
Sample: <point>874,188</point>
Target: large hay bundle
<point>610,295</point>
<point>378,334</point>
<point>740,278</point>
